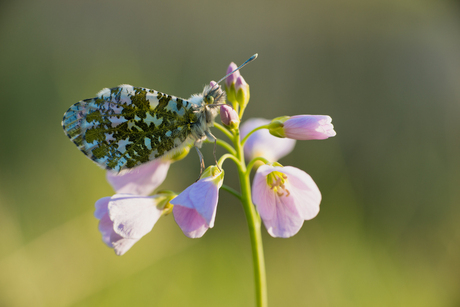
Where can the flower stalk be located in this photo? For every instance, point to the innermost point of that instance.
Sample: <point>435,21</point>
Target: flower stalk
<point>254,226</point>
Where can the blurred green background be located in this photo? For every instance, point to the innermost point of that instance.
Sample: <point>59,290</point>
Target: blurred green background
<point>386,71</point>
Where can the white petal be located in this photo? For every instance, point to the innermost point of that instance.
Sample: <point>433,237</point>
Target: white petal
<point>133,216</point>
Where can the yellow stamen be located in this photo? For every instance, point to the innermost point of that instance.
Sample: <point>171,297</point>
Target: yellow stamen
<point>276,182</point>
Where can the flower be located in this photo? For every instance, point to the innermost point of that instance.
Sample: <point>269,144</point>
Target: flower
<point>262,144</point>
<point>303,127</point>
<point>230,82</point>
<point>141,180</point>
<point>125,218</point>
<point>242,91</point>
<point>284,198</point>
<point>229,117</point>
<point>195,208</point>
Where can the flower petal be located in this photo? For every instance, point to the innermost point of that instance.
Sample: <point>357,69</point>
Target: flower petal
<point>109,236</point>
<point>193,225</point>
<point>141,180</point>
<point>286,221</point>
<point>134,216</point>
<point>262,194</point>
<point>122,245</point>
<point>305,192</point>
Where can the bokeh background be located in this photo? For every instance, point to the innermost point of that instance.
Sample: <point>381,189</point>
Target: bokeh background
<point>387,71</point>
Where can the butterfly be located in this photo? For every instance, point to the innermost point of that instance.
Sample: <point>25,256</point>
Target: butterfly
<point>126,126</point>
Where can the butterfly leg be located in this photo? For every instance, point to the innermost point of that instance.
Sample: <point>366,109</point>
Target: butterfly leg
<point>215,158</point>
<point>202,166</point>
<point>211,137</point>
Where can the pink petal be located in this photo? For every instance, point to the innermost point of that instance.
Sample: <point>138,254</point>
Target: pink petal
<point>106,229</point>
<point>101,207</point>
<point>141,180</point>
<point>304,190</point>
<point>195,208</point>
<point>262,195</point>
<point>192,224</point>
<point>286,221</point>
<point>201,196</point>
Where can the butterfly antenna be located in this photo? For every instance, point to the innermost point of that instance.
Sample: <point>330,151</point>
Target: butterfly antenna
<point>241,66</point>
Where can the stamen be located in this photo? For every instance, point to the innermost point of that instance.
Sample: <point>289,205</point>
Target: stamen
<point>276,182</point>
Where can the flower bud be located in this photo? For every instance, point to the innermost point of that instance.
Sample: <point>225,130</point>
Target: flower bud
<point>230,82</point>
<point>242,91</point>
<point>229,117</point>
<point>212,83</point>
<point>303,127</point>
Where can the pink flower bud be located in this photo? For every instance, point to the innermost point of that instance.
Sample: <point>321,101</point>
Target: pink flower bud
<point>309,127</point>
<point>303,127</point>
<point>232,78</point>
<point>228,116</point>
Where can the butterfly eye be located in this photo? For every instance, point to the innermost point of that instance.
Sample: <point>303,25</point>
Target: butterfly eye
<point>209,99</point>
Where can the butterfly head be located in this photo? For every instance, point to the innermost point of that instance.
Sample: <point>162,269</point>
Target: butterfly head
<point>213,94</point>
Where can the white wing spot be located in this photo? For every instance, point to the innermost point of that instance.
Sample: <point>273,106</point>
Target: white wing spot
<point>122,145</point>
<point>149,119</point>
<point>104,93</point>
<point>152,100</point>
<point>172,106</point>
<point>148,143</point>
<point>109,137</point>
<point>117,120</point>
<point>157,121</point>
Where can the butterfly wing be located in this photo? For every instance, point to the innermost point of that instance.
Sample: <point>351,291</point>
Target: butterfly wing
<point>126,126</point>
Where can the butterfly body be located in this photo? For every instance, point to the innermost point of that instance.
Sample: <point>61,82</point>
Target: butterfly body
<point>126,126</point>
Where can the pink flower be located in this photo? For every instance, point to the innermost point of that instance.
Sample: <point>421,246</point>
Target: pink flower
<point>232,78</point>
<point>303,127</point>
<point>229,117</point>
<point>262,144</point>
<point>195,208</point>
<point>125,218</point>
<point>284,197</point>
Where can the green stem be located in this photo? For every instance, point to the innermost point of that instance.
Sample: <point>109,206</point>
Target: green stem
<point>254,224</point>
<point>231,191</point>
<point>226,146</point>
<point>224,130</point>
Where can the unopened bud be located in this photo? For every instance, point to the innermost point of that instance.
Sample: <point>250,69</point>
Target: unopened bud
<point>229,117</point>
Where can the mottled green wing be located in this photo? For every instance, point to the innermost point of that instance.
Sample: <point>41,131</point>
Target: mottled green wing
<point>126,126</point>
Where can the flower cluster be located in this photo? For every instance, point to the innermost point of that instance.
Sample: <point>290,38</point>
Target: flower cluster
<point>283,196</point>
